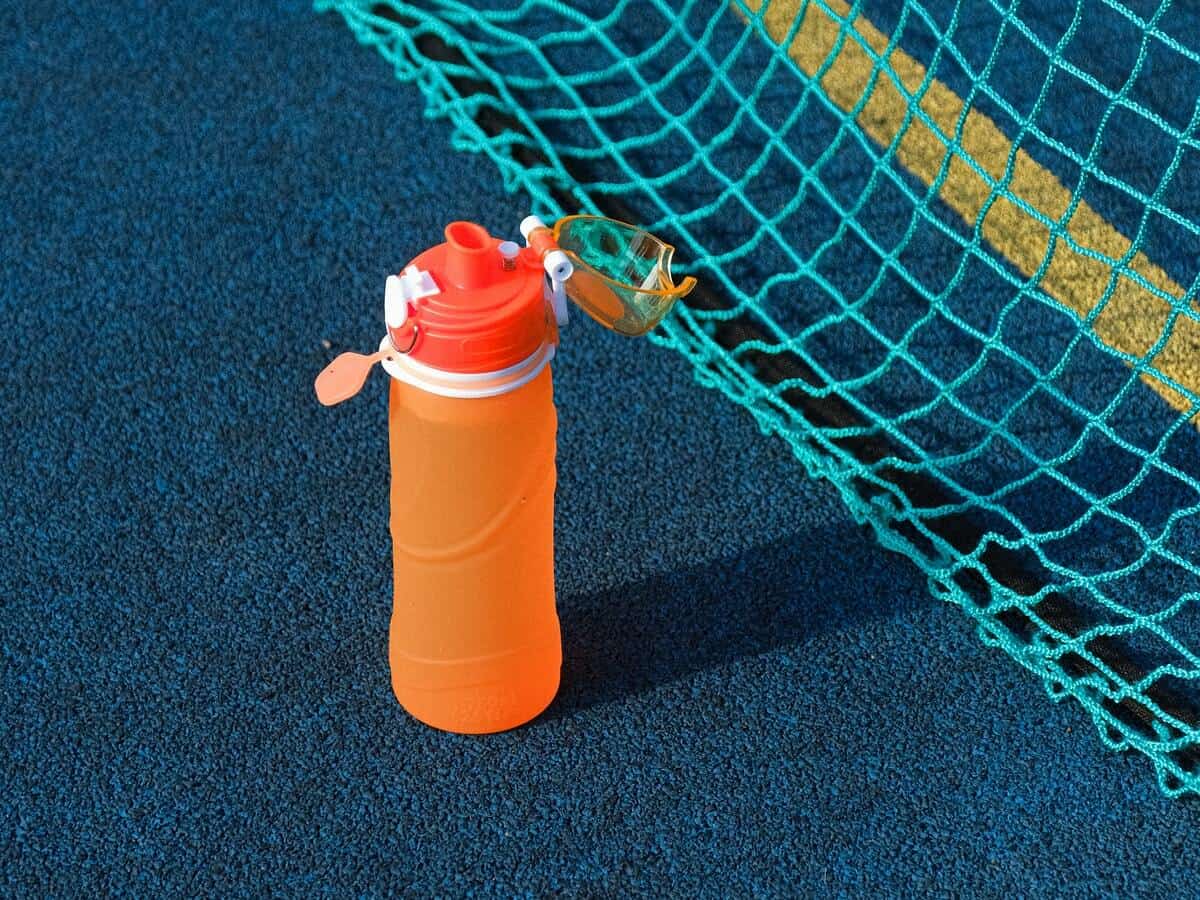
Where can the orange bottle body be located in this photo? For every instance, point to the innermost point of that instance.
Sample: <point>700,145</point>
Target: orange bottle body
<point>474,643</point>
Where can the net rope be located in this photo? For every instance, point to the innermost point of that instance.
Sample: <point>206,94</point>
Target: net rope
<point>975,234</point>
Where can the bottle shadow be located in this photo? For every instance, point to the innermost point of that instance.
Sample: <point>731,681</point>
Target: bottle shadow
<point>635,637</point>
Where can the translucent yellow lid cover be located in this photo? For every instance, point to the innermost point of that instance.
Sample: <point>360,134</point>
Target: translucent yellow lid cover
<point>622,276</point>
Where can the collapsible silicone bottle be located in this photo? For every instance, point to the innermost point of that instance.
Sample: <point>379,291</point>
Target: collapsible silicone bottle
<point>472,325</point>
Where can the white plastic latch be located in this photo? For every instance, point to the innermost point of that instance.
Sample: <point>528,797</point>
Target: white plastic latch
<point>558,301</point>
<point>530,224</point>
<point>558,269</point>
<point>402,291</point>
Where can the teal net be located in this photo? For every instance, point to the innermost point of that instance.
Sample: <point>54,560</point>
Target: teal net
<point>947,250</point>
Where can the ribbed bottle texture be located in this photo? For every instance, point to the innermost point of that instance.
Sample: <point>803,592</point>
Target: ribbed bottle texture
<point>474,643</point>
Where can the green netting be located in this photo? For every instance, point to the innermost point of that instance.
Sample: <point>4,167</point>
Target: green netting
<point>956,253</point>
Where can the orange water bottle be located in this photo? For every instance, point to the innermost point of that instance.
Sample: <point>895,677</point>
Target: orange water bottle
<point>472,325</point>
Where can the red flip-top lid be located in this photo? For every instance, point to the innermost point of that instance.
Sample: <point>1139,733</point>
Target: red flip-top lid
<point>486,317</point>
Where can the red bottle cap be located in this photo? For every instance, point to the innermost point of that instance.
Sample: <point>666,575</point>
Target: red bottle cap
<point>485,317</point>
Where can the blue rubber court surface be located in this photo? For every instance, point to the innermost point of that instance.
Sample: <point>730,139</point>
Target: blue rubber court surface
<point>198,207</point>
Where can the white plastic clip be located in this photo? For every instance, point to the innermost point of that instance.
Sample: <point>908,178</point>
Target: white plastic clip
<point>401,293</point>
<point>558,301</point>
<point>558,269</point>
<point>529,224</point>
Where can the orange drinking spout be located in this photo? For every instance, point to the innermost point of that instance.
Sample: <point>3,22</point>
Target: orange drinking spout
<point>469,256</point>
